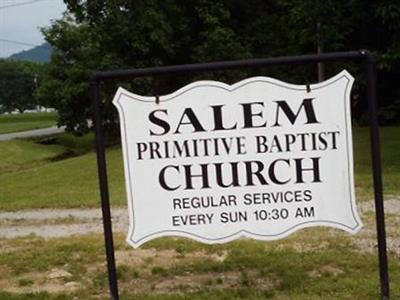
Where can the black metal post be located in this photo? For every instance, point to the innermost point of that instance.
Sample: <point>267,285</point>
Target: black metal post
<point>362,55</point>
<point>105,199</point>
<point>377,174</point>
<point>230,65</point>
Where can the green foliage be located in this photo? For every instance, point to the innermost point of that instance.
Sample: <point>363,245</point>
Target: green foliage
<point>65,85</point>
<point>144,33</point>
<point>120,34</point>
<point>18,81</point>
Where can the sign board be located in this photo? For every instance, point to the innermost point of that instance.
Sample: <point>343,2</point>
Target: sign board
<point>260,158</point>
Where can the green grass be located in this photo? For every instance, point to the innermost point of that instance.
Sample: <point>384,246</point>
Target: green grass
<point>292,272</point>
<point>25,154</point>
<point>390,156</point>
<point>68,183</point>
<point>26,121</point>
<point>33,296</point>
<point>17,155</point>
<point>64,174</point>
<point>61,171</point>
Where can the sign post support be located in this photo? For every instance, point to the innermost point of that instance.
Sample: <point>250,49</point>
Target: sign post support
<point>105,198</point>
<point>363,56</point>
<point>377,175</point>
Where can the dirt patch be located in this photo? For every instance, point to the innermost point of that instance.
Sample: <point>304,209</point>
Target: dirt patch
<point>146,259</point>
<point>195,282</point>
<point>329,269</point>
<point>54,281</point>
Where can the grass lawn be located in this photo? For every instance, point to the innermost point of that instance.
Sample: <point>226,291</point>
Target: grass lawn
<point>312,264</point>
<point>16,155</point>
<point>26,121</point>
<point>64,174</point>
<point>180,269</point>
<point>390,155</point>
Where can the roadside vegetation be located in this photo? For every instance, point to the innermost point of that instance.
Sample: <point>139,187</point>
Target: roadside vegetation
<point>311,264</point>
<point>26,121</point>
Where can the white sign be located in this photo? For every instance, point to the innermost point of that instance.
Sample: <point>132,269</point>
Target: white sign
<point>261,158</point>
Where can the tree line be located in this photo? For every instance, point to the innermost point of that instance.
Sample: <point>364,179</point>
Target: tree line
<point>18,83</point>
<point>119,34</point>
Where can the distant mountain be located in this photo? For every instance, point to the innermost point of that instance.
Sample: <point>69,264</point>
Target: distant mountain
<point>40,54</point>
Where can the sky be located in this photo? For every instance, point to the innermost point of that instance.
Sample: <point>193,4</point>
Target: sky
<point>20,21</point>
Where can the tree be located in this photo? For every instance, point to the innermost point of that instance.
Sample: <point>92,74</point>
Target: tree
<point>18,82</point>
<point>113,34</point>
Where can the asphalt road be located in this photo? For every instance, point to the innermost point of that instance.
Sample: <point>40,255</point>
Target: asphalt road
<point>31,133</point>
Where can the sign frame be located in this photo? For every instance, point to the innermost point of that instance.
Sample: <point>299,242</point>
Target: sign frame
<point>363,57</point>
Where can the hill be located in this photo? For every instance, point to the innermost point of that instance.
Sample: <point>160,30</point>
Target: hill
<point>40,54</point>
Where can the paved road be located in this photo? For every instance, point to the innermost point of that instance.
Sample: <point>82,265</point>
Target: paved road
<point>31,133</point>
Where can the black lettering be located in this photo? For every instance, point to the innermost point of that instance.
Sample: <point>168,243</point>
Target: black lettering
<point>307,195</point>
<point>250,173</point>
<point>218,120</point>
<point>154,150</point>
<point>306,104</point>
<point>161,178</point>
<point>157,121</point>
<point>141,147</point>
<point>322,141</point>
<point>192,121</point>
<point>203,175</point>
<point>249,115</point>
<point>272,172</point>
<point>261,142</point>
<point>234,172</point>
<point>247,199</point>
<point>334,133</point>
<point>314,169</point>
<point>181,149</point>
<point>177,203</point>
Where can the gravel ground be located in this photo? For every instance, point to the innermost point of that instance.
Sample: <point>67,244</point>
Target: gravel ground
<point>51,223</point>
